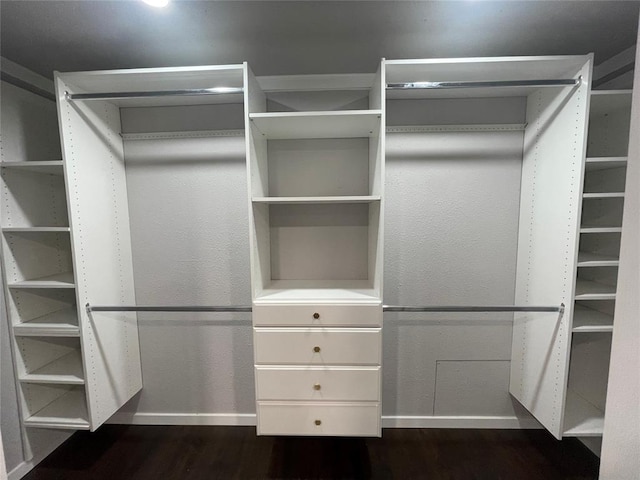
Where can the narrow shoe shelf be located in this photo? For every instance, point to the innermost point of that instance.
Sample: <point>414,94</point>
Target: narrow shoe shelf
<point>589,290</point>
<point>59,280</point>
<point>587,320</point>
<point>588,259</point>
<point>318,200</point>
<point>53,167</point>
<point>66,370</point>
<point>63,323</point>
<point>68,411</point>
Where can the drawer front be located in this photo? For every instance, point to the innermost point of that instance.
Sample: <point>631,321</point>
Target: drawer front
<point>320,346</point>
<point>318,383</point>
<point>319,419</point>
<point>318,315</point>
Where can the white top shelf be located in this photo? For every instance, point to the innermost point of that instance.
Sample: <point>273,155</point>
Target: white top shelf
<point>64,370</point>
<point>602,163</point>
<point>588,290</point>
<point>608,101</point>
<point>49,167</point>
<point>59,280</point>
<point>581,418</point>
<point>63,323</point>
<point>332,124</point>
<point>587,320</point>
<point>319,291</point>
<point>67,411</point>
<point>588,259</point>
<point>317,200</point>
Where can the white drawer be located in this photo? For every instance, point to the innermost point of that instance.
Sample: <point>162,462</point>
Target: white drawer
<point>317,346</point>
<point>327,315</point>
<point>319,419</point>
<point>318,383</point>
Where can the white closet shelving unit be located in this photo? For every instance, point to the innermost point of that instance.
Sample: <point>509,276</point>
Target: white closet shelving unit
<point>598,260</point>
<point>40,292</point>
<point>316,216</point>
<point>67,244</point>
<point>316,202</point>
<point>554,141</point>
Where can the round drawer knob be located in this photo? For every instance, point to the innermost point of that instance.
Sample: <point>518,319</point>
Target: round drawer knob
<point>316,349</point>
<point>316,386</point>
<point>316,315</point>
<point>318,422</point>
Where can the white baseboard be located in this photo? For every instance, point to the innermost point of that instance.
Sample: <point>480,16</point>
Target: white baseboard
<point>221,419</point>
<point>249,419</point>
<point>402,421</point>
<point>25,467</point>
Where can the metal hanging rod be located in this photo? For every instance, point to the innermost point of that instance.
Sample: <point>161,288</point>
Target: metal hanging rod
<point>385,308</point>
<point>182,308</point>
<point>484,308</point>
<point>151,94</point>
<point>563,82</point>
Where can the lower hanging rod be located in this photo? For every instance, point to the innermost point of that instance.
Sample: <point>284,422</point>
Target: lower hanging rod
<point>157,93</point>
<point>483,308</point>
<point>385,308</point>
<point>563,82</point>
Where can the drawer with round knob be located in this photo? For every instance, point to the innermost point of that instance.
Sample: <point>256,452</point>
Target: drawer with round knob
<point>317,346</point>
<point>321,419</point>
<point>318,383</point>
<point>318,315</point>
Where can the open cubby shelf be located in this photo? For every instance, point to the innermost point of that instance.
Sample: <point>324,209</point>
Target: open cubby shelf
<point>67,411</point>
<point>64,370</point>
<point>61,323</point>
<point>58,280</point>
<point>582,419</point>
<point>588,259</point>
<point>588,320</point>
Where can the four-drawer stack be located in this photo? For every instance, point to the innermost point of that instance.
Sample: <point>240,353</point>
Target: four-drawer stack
<point>318,369</point>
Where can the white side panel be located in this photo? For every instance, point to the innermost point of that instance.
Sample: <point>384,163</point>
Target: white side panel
<point>101,241</point>
<point>552,173</point>
<point>621,439</point>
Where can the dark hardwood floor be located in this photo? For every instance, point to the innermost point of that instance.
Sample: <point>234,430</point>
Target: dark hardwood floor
<point>119,452</point>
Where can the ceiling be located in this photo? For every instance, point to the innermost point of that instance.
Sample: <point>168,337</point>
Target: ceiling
<point>300,37</point>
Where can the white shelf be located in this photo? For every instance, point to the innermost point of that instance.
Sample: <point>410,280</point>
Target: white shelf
<point>601,230</point>
<point>607,101</point>
<point>581,418</point>
<point>588,259</point>
<point>35,229</point>
<point>63,323</point>
<point>59,280</point>
<point>588,290</point>
<point>50,167</point>
<point>65,370</point>
<point>67,411</point>
<point>330,124</point>
<point>354,291</point>
<point>602,163</point>
<point>318,200</point>
<point>603,195</point>
<point>587,320</point>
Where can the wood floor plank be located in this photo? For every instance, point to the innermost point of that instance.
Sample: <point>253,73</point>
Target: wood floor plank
<point>197,453</point>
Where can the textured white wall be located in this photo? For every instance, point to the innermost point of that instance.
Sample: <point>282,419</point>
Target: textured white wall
<point>190,241</point>
<point>621,439</point>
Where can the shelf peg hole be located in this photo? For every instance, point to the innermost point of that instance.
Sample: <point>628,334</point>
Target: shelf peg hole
<point>316,386</point>
<point>316,349</point>
<point>316,315</point>
<point>318,422</point>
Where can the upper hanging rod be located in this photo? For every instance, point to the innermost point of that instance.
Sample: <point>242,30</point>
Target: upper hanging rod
<point>386,308</point>
<point>485,84</point>
<point>157,93</point>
